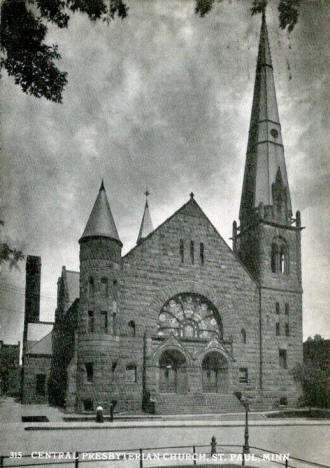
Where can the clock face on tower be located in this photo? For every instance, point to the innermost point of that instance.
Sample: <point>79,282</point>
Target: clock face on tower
<point>274,133</point>
<point>190,315</point>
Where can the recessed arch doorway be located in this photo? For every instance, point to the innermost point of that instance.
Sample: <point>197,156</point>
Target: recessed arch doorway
<point>215,377</point>
<point>173,372</point>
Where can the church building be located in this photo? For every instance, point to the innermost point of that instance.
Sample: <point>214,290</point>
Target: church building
<point>182,321</point>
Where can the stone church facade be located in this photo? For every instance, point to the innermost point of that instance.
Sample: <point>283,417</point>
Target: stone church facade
<point>182,321</point>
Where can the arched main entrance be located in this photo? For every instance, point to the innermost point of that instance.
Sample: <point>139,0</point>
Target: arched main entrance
<point>173,372</point>
<point>215,373</point>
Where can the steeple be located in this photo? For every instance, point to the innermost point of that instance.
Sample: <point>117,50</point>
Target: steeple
<point>100,222</point>
<point>265,152</point>
<point>146,223</point>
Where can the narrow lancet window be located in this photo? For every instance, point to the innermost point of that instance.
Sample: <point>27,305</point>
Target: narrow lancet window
<point>131,328</point>
<point>91,288</point>
<point>201,252</point>
<point>280,257</point>
<point>192,252</point>
<point>91,321</point>
<point>104,287</point>
<point>182,250</point>
<point>278,331</point>
<point>89,371</point>
<point>104,314</point>
<point>283,358</point>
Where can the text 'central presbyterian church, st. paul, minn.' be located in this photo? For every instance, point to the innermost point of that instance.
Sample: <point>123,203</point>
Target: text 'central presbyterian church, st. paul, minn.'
<point>181,322</point>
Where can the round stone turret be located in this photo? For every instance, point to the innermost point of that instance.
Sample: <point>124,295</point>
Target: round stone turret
<point>100,279</point>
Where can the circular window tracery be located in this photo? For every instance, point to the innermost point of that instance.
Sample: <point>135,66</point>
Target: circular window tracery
<point>190,315</point>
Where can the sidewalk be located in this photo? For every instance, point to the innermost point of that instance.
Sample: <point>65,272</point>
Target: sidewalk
<point>11,413</point>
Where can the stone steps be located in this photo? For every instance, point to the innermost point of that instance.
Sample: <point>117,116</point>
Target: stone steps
<point>197,404</point>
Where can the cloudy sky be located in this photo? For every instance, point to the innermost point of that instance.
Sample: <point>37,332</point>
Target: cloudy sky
<point>162,99</point>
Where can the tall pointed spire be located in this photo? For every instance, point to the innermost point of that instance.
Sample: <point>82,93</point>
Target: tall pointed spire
<point>100,222</point>
<point>265,152</point>
<point>146,223</point>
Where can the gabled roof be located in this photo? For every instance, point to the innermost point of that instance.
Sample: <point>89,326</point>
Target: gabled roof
<point>191,208</point>
<point>43,346</point>
<point>146,224</point>
<point>100,222</point>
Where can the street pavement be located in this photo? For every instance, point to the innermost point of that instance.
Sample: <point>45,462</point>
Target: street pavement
<point>307,439</point>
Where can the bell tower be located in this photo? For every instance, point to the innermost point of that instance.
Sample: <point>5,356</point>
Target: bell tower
<point>268,239</point>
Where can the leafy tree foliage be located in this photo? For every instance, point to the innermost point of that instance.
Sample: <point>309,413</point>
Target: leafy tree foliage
<point>314,373</point>
<point>32,62</point>
<point>26,56</point>
<point>314,382</point>
<point>9,254</point>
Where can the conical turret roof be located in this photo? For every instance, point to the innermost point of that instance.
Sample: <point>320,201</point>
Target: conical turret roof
<point>146,224</point>
<point>100,222</point>
<point>265,152</point>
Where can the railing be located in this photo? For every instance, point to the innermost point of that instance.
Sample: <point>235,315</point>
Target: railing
<point>191,455</point>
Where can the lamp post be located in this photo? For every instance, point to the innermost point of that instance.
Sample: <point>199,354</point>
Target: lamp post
<point>245,403</point>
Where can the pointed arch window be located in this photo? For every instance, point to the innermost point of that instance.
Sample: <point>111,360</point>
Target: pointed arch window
<point>279,256</point>
<point>243,335</point>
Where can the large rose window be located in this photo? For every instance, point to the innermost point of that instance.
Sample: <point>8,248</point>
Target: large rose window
<point>189,315</point>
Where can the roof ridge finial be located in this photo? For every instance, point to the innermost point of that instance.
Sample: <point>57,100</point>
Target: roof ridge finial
<point>146,224</point>
<point>147,193</point>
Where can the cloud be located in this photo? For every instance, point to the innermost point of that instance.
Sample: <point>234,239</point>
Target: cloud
<point>162,99</point>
